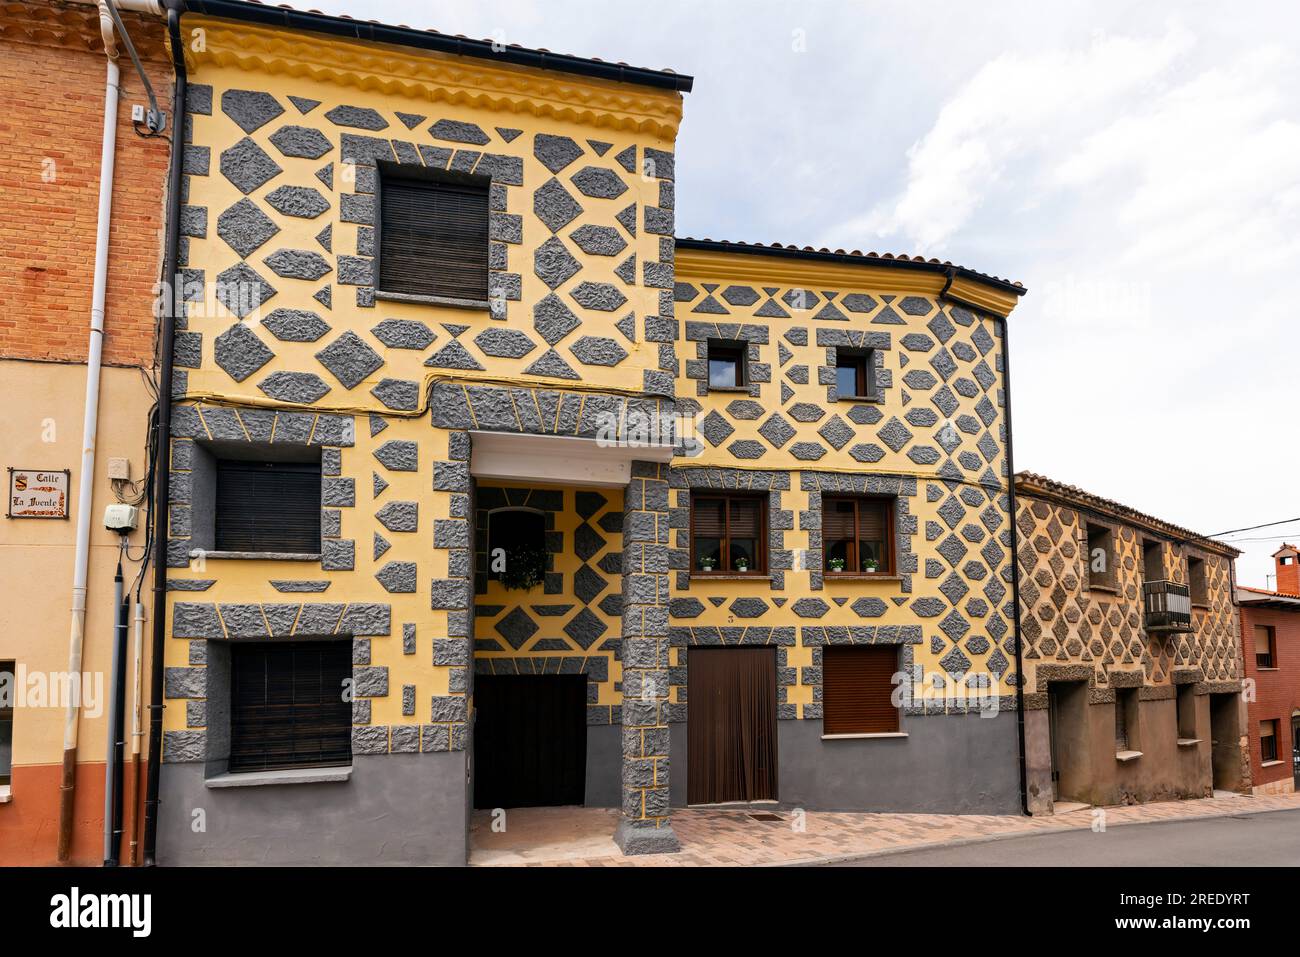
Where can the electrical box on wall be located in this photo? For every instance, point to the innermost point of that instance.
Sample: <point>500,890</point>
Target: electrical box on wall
<point>119,469</point>
<point>121,518</point>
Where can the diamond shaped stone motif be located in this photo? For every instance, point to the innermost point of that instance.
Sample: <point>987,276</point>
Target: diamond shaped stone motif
<point>555,206</point>
<point>242,290</point>
<point>587,542</point>
<point>240,352</point>
<point>553,319</point>
<point>244,227</point>
<point>516,628</point>
<point>715,428</point>
<point>777,430</point>
<point>248,166</point>
<point>349,359</point>
<point>894,434</point>
<point>585,628</point>
<point>587,584</point>
<point>553,263</point>
<point>837,432</point>
<point>953,588</point>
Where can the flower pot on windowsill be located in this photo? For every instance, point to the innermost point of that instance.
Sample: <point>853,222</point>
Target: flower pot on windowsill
<point>742,565</point>
<point>870,567</point>
<point>706,564</point>
<point>835,564</point>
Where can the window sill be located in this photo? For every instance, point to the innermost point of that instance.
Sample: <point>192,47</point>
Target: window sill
<point>1126,756</point>
<point>730,576</point>
<point>864,736</point>
<point>830,576</point>
<point>1189,742</point>
<point>481,305</point>
<point>288,776</point>
<point>257,556</point>
<point>1270,764</point>
<point>729,388</point>
<point>1109,589</point>
<point>6,793</point>
<point>1269,668</point>
<point>874,399</point>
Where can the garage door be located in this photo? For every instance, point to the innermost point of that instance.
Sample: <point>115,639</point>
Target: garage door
<point>530,740</point>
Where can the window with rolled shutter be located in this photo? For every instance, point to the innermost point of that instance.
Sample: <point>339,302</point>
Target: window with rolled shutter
<point>728,534</point>
<point>287,705</point>
<point>433,238</point>
<point>857,535</point>
<point>268,506</point>
<point>858,688</point>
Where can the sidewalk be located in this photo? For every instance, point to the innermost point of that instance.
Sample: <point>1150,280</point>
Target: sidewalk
<point>580,837</point>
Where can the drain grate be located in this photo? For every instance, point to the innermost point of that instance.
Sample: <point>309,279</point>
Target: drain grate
<point>766,816</point>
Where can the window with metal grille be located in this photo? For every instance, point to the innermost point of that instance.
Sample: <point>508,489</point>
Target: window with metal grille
<point>858,688</point>
<point>268,506</point>
<point>1268,740</point>
<point>287,705</point>
<point>1265,637</point>
<point>8,692</point>
<point>853,374</point>
<point>857,535</point>
<point>729,534</point>
<point>433,237</point>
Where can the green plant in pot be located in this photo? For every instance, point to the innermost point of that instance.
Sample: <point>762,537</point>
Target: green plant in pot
<point>870,565</point>
<point>525,568</point>
<point>707,563</point>
<point>835,564</point>
<point>742,564</point>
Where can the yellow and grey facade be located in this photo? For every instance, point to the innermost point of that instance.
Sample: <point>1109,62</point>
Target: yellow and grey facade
<point>430,417</point>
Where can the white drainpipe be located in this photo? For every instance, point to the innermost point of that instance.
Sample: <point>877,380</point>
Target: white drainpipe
<point>86,478</point>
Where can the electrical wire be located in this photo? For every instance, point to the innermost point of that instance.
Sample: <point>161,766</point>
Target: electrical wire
<point>1251,528</point>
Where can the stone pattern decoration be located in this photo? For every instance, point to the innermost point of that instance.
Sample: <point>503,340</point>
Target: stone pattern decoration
<point>570,624</point>
<point>379,476</point>
<point>644,827</point>
<point>284,302</point>
<point>1074,632</point>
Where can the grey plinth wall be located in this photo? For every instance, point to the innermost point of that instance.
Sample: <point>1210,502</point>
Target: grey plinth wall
<point>645,828</point>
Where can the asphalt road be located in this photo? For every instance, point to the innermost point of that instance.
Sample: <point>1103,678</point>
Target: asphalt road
<point>1271,839</point>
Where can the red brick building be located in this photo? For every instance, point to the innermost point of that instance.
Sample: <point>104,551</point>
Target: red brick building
<point>1270,633</point>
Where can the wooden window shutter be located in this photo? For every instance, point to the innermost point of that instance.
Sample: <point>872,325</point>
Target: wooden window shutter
<point>268,506</point>
<point>837,519</point>
<point>287,706</point>
<point>433,238</point>
<point>746,520</point>
<point>873,521</point>
<point>709,517</point>
<point>858,688</point>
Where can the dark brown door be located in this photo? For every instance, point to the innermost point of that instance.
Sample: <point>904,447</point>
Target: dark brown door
<point>731,725</point>
<point>530,740</point>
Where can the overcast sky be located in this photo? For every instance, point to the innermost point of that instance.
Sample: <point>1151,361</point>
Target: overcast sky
<point>1137,166</point>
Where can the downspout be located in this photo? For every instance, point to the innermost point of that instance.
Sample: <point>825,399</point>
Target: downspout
<point>90,422</point>
<point>1015,571</point>
<point>116,699</point>
<point>137,733</point>
<point>162,455</point>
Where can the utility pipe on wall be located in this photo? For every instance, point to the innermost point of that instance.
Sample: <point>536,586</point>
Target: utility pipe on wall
<point>90,423</point>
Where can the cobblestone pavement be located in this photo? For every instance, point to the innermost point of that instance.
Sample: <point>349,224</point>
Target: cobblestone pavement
<point>577,837</point>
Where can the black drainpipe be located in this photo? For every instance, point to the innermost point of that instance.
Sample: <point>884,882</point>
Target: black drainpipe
<point>1015,568</point>
<point>162,477</point>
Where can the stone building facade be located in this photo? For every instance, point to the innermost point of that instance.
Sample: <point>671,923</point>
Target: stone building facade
<point>1119,706</point>
<point>574,400</point>
<point>1270,641</point>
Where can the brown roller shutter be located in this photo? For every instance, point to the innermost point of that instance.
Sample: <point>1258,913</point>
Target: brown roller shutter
<point>837,518</point>
<point>873,521</point>
<point>746,521</point>
<point>709,517</point>
<point>268,506</point>
<point>857,690</point>
<point>433,238</point>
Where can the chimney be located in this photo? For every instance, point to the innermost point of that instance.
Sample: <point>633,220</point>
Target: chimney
<point>1287,562</point>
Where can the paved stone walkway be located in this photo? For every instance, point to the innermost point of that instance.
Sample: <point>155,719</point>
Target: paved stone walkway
<point>718,837</point>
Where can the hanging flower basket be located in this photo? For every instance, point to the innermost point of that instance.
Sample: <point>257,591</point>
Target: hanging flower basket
<point>525,569</point>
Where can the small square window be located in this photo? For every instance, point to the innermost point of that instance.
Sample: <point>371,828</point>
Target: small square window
<point>858,689</point>
<point>433,236</point>
<point>268,506</point>
<point>1265,638</point>
<point>853,374</point>
<point>727,364</point>
<point>857,535</point>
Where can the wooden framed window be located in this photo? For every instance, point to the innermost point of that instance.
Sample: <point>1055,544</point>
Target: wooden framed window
<point>728,364</point>
<point>858,689</point>
<point>268,506</point>
<point>433,237</point>
<point>1268,741</point>
<point>8,691</point>
<point>1265,646</point>
<point>1101,557</point>
<point>853,374</point>
<point>728,534</point>
<point>858,535</point>
<point>287,705</point>
<point>1196,583</point>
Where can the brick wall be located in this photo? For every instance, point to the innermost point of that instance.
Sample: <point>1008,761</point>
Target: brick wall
<point>52,72</point>
<point>1277,692</point>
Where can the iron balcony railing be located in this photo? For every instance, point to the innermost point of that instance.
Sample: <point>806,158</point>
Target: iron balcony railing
<point>1167,605</point>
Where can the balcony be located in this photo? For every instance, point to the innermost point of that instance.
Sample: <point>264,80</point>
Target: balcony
<point>1167,607</point>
